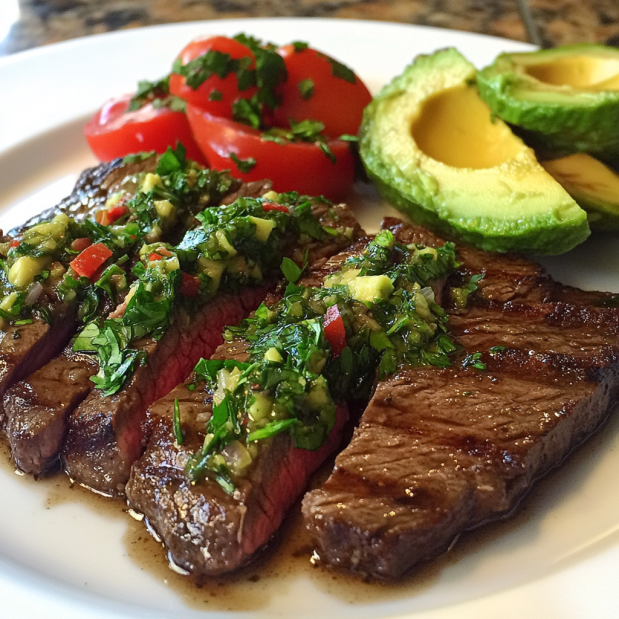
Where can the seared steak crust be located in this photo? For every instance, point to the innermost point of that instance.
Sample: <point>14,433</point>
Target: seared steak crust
<point>37,409</point>
<point>439,451</point>
<point>26,348</point>
<point>92,189</point>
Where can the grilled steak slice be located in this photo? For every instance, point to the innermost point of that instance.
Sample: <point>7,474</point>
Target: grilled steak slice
<point>107,434</point>
<point>205,530</point>
<point>25,348</point>
<point>442,451</point>
<point>439,451</point>
<point>37,409</point>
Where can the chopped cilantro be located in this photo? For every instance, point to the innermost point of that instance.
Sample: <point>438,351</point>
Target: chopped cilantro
<point>306,88</point>
<point>341,71</point>
<point>243,165</point>
<point>291,383</point>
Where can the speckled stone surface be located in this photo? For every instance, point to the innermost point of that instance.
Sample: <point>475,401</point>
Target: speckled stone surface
<point>41,22</point>
<point>562,22</point>
<point>48,21</point>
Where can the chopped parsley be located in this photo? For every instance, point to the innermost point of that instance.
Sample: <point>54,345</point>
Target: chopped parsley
<point>306,88</point>
<point>292,382</point>
<point>234,245</point>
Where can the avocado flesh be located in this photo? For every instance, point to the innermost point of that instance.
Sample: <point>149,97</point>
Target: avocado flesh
<point>567,98</point>
<point>429,144</point>
<point>593,185</point>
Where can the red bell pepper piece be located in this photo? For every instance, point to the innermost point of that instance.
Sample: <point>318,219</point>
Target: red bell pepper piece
<point>159,254</point>
<point>335,331</point>
<point>89,261</point>
<point>272,206</point>
<point>190,286</point>
<point>117,212</point>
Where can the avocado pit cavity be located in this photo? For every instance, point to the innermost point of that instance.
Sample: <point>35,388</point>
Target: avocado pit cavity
<point>455,127</point>
<point>582,72</point>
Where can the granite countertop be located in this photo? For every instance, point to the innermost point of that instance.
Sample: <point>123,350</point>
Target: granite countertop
<point>545,22</point>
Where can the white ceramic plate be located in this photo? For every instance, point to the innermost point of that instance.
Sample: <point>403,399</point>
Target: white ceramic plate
<point>558,559</point>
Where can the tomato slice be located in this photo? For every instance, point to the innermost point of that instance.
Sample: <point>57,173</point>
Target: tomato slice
<point>297,166</point>
<point>335,331</point>
<point>190,286</point>
<point>113,132</point>
<point>87,263</point>
<point>216,94</point>
<point>321,88</point>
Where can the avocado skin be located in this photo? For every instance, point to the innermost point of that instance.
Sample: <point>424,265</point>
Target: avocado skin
<point>536,240</point>
<point>579,121</point>
<point>415,192</point>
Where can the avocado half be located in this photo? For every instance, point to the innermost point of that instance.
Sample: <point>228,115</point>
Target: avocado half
<point>429,143</point>
<point>593,185</point>
<point>567,98</point>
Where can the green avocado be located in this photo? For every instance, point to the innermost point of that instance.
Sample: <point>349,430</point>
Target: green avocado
<point>429,143</point>
<point>592,184</point>
<point>566,99</point>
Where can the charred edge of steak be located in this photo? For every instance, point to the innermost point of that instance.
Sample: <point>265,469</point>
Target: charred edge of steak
<point>25,348</point>
<point>92,189</point>
<point>37,409</point>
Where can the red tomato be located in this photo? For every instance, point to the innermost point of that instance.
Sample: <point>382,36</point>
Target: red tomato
<point>113,133</point>
<point>295,166</point>
<point>227,88</point>
<point>335,101</point>
<point>190,286</point>
<point>87,263</point>
<point>335,331</point>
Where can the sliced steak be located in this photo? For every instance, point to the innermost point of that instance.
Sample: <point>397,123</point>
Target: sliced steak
<point>26,348</point>
<point>107,434</point>
<point>37,409</point>
<point>206,531</point>
<point>439,451</point>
